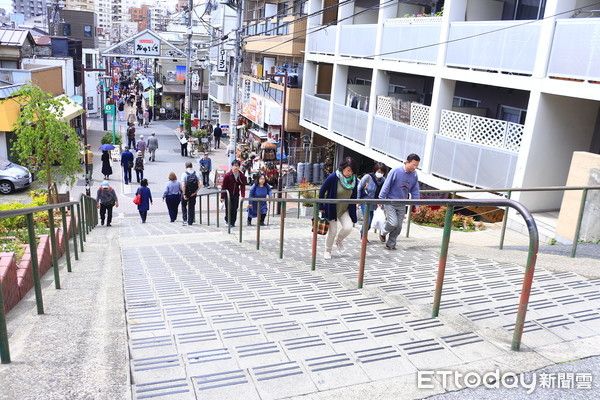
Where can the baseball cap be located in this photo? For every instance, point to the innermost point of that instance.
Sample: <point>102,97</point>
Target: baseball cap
<point>104,183</point>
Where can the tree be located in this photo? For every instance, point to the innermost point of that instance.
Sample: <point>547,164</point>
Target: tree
<point>43,138</point>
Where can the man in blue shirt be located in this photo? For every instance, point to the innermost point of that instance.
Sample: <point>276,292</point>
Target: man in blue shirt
<point>127,164</point>
<point>399,184</point>
<point>205,168</point>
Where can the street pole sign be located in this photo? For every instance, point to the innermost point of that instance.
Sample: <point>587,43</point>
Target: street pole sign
<point>109,109</point>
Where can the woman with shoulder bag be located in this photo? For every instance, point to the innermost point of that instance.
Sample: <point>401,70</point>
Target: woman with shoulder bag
<point>369,187</point>
<point>145,199</point>
<point>339,185</point>
<point>172,196</point>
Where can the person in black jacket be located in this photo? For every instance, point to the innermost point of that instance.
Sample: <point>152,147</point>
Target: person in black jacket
<point>339,185</point>
<point>217,133</point>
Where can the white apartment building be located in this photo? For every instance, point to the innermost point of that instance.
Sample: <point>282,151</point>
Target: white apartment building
<point>492,94</point>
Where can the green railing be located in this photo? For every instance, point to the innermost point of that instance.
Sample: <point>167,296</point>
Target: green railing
<point>509,192</point>
<point>84,220</point>
<point>450,205</point>
<point>217,194</point>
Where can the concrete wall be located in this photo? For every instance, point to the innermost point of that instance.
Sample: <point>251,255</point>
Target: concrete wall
<point>561,126</point>
<point>584,171</point>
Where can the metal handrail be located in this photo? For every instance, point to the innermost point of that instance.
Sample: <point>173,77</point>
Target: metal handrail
<point>216,192</point>
<point>450,204</point>
<point>509,192</point>
<point>86,219</point>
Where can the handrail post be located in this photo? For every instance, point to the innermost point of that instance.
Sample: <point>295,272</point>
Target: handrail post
<point>84,216</point>
<point>442,264</point>
<point>34,264</point>
<point>53,247</point>
<point>363,245</point>
<point>299,205</point>
<point>81,227</point>
<point>200,209</point>
<point>228,199</point>
<point>63,214</point>
<point>208,209</point>
<point>579,219</point>
<point>314,238</point>
<point>281,228</point>
<point>504,222</point>
<point>4,349</point>
<point>527,281</point>
<point>257,224</point>
<point>409,212</point>
<point>74,231</point>
<point>241,207</point>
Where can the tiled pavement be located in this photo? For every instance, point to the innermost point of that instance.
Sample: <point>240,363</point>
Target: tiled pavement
<point>211,318</point>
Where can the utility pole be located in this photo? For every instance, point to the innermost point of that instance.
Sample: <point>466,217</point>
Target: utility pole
<point>233,117</point>
<point>188,72</point>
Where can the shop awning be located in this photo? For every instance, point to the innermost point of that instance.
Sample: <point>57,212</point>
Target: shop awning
<point>71,109</point>
<point>259,133</point>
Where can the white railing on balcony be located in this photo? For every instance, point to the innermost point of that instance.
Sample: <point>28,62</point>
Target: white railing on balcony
<point>419,116</point>
<point>397,139</point>
<point>415,20</point>
<point>322,41</point>
<point>358,40</point>
<point>315,110</point>
<point>494,45</point>
<point>410,43</point>
<point>480,130</point>
<point>472,163</point>
<point>220,93</point>
<point>350,122</point>
<point>576,49</point>
<point>213,89</point>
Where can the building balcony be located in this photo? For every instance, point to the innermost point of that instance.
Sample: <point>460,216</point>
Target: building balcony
<point>316,110</point>
<point>510,46</point>
<point>358,40</point>
<point>280,37</point>
<point>323,41</point>
<point>410,39</point>
<point>576,50</point>
<point>350,122</point>
<point>220,93</point>
<point>477,151</point>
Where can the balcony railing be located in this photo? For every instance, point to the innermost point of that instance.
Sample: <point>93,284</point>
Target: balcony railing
<point>397,139</point>
<point>480,130</point>
<point>219,93</point>
<point>473,164</point>
<point>494,45</point>
<point>576,49</point>
<point>323,41</point>
<point>411,42</point>
<point>316,110</point>
<point>358,40</point>
<point>350,122</point>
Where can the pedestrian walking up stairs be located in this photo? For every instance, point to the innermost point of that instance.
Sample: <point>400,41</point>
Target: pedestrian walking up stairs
<point>211,318</point>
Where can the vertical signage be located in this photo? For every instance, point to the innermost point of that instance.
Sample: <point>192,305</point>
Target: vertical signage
<point>246,91</point>
<point>221,62</point>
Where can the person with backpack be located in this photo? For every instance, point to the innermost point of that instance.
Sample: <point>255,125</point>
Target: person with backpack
<point>130,135</point>
<point>369,187</point>
<point>138,165</point>
<point>190,184</point>
<point>106,199</point>
<point>235,183</point>
<point>121,108</point>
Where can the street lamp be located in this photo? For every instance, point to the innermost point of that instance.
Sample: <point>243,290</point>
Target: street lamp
<point>266,85</point>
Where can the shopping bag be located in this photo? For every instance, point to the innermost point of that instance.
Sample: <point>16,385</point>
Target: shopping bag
<point>137,200</point>
<point>378,221</point>
<point>322,226</point>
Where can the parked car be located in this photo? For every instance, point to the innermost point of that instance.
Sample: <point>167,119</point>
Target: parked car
<point>13,177</point>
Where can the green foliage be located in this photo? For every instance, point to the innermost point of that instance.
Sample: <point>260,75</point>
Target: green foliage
<point>552,241</point>
<point>437,217</point>
<point>108,139</point>
<point>187,122</point>
<point>43,139</point>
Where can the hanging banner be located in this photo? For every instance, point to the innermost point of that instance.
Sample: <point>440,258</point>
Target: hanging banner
<point>195,81</point>
<point>151,98</point>
<point>246,91</point>
<point>180,72</point>
<point>221,61</point>
<point>147,44</point>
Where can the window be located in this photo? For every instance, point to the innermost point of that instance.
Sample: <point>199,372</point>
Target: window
<point>512,114</point>
<point>464,102</point>
<point>395,89</point>
<point>89,61</point>
<point>87,30</point>
<point>66,29</point>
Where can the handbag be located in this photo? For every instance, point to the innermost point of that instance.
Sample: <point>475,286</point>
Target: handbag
<point>138,199</point>
<point>322,226</point>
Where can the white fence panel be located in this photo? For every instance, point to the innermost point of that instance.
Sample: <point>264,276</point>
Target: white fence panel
<point>316,110</point>
<point>397,139</point>
<point>350,122</point>
<point>419,116</point>
<point>322,41</point>
<point>358,40</point>
<point>576,49</point>
<point>411,43</point>
<point>496,45</point>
